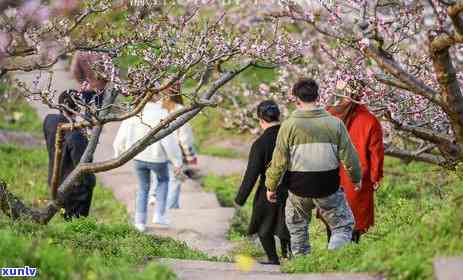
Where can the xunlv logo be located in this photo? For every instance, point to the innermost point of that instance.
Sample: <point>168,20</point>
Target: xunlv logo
<point>18,271</point>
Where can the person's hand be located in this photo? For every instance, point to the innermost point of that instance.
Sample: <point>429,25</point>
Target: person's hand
<point>358,186</point>
<point>236,205</point>
<point>272,196</point>
<point>177,170</point>
<point>376,186</point>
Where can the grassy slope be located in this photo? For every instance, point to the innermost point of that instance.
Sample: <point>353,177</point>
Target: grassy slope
<point>207,126</point>
<point>419,216</point>
<point>103,246</point>
<point>26,118</point>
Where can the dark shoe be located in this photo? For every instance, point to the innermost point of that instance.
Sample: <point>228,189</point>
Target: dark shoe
<point>275,262</point>
<point>356,236</point>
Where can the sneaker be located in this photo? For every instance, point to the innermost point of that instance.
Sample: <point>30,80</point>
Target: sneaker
<point>152,200</point>
<point>140,227</point>
<point>273,262</point>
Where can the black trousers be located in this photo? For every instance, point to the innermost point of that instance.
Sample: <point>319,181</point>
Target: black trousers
<point>77,203</point>
<point>268,243</point>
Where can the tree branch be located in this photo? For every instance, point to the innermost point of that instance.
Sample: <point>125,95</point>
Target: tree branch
<point>454,11</point>
<point>392,82</point>
<point>10,204</point>
<point>59,138</point>
<point>450,88</point>
<point>422,133</point>
<point>389,65</point>
<point>409,156</point>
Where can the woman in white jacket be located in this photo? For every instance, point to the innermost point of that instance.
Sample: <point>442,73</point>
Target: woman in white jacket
<point>153,160</point>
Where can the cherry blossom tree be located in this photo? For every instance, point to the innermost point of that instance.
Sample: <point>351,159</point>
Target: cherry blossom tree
<point>404,57</point>
<point>143,50</point>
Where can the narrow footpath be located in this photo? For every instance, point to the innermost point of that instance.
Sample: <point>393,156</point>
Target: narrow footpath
<point>201,222</point>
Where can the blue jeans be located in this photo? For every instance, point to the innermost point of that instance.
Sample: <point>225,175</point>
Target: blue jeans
<point>144,170</point>
<point>173,195</point>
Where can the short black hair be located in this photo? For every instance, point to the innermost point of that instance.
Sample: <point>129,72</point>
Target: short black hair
<point>66,99</point>
<point>306,90</point>
<point>268,111</point>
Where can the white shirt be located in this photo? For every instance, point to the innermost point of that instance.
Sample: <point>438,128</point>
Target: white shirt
<point>135,128</point>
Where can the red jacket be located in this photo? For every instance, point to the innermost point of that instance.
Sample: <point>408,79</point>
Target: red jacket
<point>367,136</point>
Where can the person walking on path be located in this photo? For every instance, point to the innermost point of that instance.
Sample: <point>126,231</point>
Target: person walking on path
<point>268,219</point>
<point>367,136</point>
<point>77,202</point>
<point>185,139</point>
<point>153,160</point>
<point>310,147</point>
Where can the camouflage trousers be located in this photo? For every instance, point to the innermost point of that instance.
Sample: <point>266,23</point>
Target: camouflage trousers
<point>333,208</point>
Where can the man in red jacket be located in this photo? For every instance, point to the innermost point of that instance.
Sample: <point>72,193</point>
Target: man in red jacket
<point>367,136</point>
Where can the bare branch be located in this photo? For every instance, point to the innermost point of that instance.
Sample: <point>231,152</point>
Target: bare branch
<point>390,65</point>
<point>391,82</point>
<point>59,138</point>
<point>422,133</point>
<point>164,128</point>
<point>409,156</point>
<point>454,11</point>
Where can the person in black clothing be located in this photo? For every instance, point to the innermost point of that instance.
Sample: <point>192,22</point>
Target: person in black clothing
<point>268,219</point>
<point>77,202</point>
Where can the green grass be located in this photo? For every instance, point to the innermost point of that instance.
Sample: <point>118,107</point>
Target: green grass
<point>21,117</point>
<point>419,215</point>
<point>103,246</point>
<point>225,187</point>
<point>208,126</point>
<point>219,152</point>
<point>255,76</point>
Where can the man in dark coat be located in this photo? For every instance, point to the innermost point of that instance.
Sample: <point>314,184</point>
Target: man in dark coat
<point>77,202</point>
<point>268,219</point>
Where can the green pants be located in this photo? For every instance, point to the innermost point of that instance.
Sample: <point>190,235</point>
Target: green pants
<point>334,210</point>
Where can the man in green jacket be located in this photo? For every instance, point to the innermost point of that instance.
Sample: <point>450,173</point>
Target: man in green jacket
<point>310,147</point>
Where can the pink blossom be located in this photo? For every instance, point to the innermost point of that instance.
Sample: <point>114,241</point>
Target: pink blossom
<point>32,11</point>
<point>264,88</point>
<point>370,73</point>
<point>364,43</point>
<point>4,41</point>
<point>340,84</point>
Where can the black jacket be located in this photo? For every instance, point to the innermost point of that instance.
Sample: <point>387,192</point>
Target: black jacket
<point>74,145</point>
<point>267,218</point>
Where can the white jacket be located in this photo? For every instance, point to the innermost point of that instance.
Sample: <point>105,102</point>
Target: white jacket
<point>134,128</point>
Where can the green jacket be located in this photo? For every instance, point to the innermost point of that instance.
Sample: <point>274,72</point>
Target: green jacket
<point>309,149</point>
